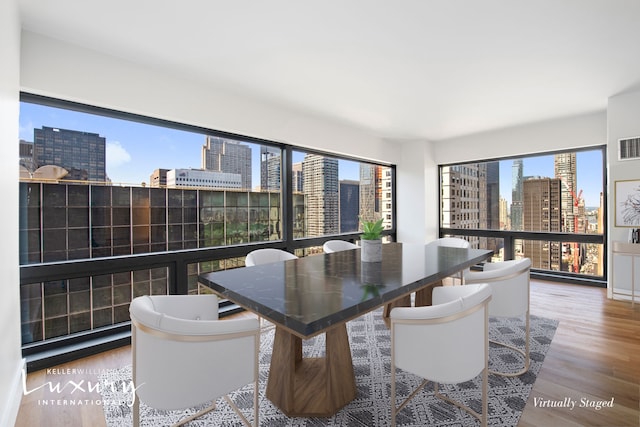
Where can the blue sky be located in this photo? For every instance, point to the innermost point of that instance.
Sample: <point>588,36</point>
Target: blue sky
<point>135,150</point>
<point>588,176</point>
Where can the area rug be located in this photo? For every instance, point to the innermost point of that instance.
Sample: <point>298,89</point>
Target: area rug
<point>370,348</point>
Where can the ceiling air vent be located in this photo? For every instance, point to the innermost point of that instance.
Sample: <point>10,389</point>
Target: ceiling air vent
<point>629,148</point>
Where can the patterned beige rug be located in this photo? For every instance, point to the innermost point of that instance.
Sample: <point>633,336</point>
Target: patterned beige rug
<point>370,348</point>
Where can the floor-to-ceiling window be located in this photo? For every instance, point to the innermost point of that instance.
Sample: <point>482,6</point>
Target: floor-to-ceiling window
<point>114,205</point>
<point>548,207</point>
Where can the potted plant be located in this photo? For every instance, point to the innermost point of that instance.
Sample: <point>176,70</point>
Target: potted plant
<point>371,279</point>
<point>371,241</point>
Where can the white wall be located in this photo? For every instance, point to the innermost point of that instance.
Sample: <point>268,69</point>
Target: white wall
<point>418,220</point>
<point>417,174</point>
<point>53,68</point>
<point>10,357</point>
<point>552,135</point>
<point>57,69</point>
<point>623,120</point>
<point>558,134</point>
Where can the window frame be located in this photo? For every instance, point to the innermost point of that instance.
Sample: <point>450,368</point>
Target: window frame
<point>510,236</point>
<point>53,351</point>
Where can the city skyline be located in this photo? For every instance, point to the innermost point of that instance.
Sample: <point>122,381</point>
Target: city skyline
<point>130,161</point>
<point>128,156</point>
<point>589,174</point>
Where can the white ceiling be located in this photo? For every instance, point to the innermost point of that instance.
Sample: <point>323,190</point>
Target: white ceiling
<point>429,69</point>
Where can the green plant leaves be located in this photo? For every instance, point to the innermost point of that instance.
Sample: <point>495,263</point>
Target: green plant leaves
<point>371,230</point>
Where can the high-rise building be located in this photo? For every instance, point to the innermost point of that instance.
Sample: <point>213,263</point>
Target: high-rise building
<point>490,209</point>
<point>464,191</point>
<point>349,205</point>
<point>26,155</point>
<point>505,221</point>
<point>471,199</point>
<point>542,212</point>
<point>375,194</point>
<point>564,165</point>
<point>321,194</point>
<point>574,219</point>
<point>386,205</point>
<point>369,184</point>
<point>270,166</point>
<point>102,221</point>
<point>228,156</point>
<point>449,196</point>
<point>82,154</point>
<point>298,177</point>
<point>493,195</point>
<point>600,225</point>
<point>516,195</point>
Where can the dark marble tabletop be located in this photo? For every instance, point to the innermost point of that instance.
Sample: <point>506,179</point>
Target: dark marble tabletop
<point>310,294</point>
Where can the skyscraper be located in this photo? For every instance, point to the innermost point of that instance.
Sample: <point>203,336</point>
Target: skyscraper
<point>471,192</point>
<point>349,205</point>
<point>229,156</point>
<point>369,183</point>
<point>298,177</point>
<point>493,195</point>
<point>564,165</point>
<point>270,165</point>
<point>82,154</point>
<point>505,221</point>
<point>386,199</point>
<point>490,209</point>
<point>320,185</point>
<point>26,155</point>
<point>542,201</point>
<point>516,195</point>
<point>375,194</point>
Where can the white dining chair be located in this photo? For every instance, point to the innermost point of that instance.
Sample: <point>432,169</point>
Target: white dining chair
<point>183,356</point>
<point>447,342</point>
<point>453,242</point>
<point>331,246</point>
<point>267,255</point>
<point>510,286</point>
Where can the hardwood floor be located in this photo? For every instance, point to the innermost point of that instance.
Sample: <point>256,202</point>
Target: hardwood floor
<point>594,357</point>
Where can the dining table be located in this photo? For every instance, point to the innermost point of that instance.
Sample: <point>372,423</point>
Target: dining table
<point>319,294</point>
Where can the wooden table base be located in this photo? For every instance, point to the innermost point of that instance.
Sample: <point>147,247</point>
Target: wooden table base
<point>423,297</point>
<point>320,386</point>
<point>311,387</point>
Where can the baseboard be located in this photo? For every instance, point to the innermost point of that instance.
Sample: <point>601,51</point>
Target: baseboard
<point>12,405</point>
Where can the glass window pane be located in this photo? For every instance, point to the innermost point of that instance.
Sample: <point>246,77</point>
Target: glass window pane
<point>189,191</point>
<point>189,183</point>
<point>558,192</point>
<point>331,194</point>
<point>550,193</point>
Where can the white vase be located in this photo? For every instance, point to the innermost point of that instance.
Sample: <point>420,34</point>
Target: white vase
<point>371,250</point>
<point>371,273</point>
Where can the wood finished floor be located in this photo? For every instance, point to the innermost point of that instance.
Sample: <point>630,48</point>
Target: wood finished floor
<point>594,356</point>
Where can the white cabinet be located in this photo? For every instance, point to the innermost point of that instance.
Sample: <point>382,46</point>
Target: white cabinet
<point>626,270</point>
